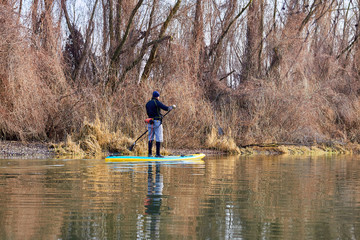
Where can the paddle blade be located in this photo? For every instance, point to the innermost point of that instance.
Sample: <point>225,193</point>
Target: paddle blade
<point>132,147</point>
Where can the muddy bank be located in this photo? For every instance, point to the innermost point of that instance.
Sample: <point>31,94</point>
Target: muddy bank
<point>16,149</point>
<point>295,149</point>
<point>207,152</point>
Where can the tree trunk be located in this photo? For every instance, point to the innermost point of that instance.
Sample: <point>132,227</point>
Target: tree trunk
<point>76,74</point>
<point>34,17</point>
<point>252,58</point>
<point>154,49</point>
<point>85,53</point>
<point>114,60</point>
<point>197,47</point>
<point>357,46</point>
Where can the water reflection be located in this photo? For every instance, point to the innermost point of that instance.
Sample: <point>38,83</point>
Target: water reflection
<point>223,198</point>
<point>153,201</point>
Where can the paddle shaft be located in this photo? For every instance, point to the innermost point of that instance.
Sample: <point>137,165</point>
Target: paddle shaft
<point>133,145</point>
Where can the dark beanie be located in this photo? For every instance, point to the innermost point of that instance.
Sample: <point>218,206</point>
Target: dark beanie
<point>156,94</point>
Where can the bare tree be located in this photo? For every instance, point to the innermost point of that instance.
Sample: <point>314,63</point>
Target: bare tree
<point>197,44</point>
<point>356,43</point>
<point>254,40</point>
<point>114,58</point>
<point>154,49</point>
<point>83,48</point>
<point>215,55</point>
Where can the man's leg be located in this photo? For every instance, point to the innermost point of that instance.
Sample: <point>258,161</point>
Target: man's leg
<point>158,146</point>
<point>150,143</point>
<point>151,139</point>
<point>159,137</point>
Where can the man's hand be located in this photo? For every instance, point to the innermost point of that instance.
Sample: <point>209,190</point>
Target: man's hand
<point>172,107</point>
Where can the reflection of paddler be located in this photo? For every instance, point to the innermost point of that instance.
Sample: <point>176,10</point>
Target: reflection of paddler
<point>154,195</point>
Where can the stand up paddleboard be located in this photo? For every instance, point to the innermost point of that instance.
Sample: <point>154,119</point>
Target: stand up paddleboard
<point>191,157</point>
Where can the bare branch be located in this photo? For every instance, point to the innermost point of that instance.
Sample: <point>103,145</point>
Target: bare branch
<point>84,54</point>
<point>348,48</point>
<point>226,30</point>
<point>152,56</point>
<point>228,74</point>
<point>138,59</point>
<point>126,34</point>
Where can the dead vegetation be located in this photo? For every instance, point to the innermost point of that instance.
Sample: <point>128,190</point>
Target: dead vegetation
<point>93,139</point>
<point>293,77</point>
<point>34,92</point>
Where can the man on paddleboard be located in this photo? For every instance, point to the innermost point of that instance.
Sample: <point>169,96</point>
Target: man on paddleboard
<point>155,129</point>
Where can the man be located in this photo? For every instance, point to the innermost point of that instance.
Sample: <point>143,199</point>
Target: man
<point>155,129</point>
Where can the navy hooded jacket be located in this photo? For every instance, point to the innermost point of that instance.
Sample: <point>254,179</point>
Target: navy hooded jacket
<point>153,108</point>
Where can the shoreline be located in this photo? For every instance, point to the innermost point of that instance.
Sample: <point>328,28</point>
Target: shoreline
<point>41,150</point>
<point>18,149</point>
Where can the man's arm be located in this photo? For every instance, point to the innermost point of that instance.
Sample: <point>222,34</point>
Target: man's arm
<point>163,107</point>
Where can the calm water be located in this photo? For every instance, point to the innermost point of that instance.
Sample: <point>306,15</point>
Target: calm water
<point>220,198</point>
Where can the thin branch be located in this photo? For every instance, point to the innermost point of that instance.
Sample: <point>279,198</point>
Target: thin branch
<point>84,54</point>
<point>348,48</point>
<point>228,74</point>
<point>312,10</point>
<point>153,52</point>
<point>222,36</point>
<point>67,18</point>
<point>138,59</point>
<point>118,49</point>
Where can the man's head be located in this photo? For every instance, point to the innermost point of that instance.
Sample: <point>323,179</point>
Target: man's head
<point>156,94</point>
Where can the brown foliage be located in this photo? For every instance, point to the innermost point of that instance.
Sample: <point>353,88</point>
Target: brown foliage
<point>286,80</point>
<point>33,89</point>
<point>316,102</point>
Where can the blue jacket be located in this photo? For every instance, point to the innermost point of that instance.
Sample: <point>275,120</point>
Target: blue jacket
<point>153,108</point>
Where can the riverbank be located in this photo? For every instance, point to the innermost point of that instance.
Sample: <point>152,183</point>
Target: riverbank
<point>17,149</point>
<point>294,149</point>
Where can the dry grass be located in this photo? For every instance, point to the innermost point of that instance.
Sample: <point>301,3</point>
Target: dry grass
<point>318,150</point>
<point>94,139</point>
<point>39,104</point>
<point>308,98</point>
<point>267,113</point>
<point>221,143</point>
<point>33,91</point>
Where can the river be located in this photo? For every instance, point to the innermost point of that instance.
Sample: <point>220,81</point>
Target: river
<point>257,197</point>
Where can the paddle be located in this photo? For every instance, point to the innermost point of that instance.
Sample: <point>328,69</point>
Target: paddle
<point>133,145</point>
